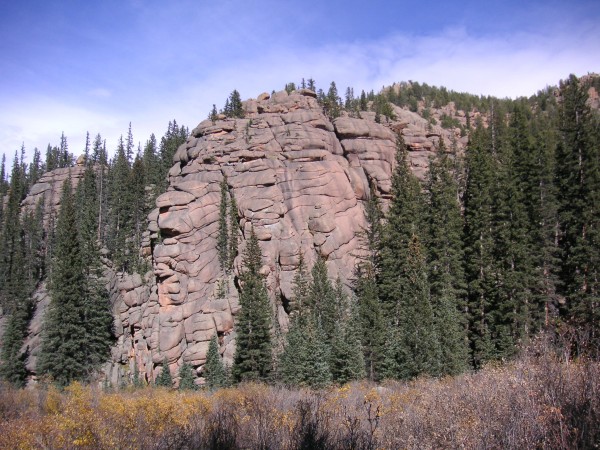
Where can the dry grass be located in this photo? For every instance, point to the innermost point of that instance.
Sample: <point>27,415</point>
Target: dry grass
<point>538,401</point>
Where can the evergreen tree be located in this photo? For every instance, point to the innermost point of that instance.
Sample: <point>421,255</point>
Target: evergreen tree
<point>77,331</point>
<point>301,284</point>
<point>64,333</point>
<point>36,170</point>
<point>541,202</point>
<point>164,379</point>
<point>129,145</point>
<point>318,371</point>
<point>233,231</point>
<point>445,259</point>
<point>363,101</point>
<point>233,106</point>
<point>213,114</point>
<point>3,182</point>
<point>253,354</point>
<point>479,243</point>
<point>138,211</point>
<point>578,177</point>
<point>186,378</point>
<point>11,240</point>
<point>404,220</point>
<point>12,367</point>
<point>294,359</point>
<point>65,159</point>
<point>214,369</point>
<point>404,284</point>
<point>120,208</point>
<point>322,299</point>
<point>332,102</point>
<point>305,360</point>
<point>371,322</point>
<point>513,265</point>
<point>152,168</point>
<point>347,361</point>
<point>34,237</point>
<point>223,237</point>
<point>169,143</point>
<point>418,338</point>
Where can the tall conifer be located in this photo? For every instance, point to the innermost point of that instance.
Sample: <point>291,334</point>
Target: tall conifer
<point>253,354</point>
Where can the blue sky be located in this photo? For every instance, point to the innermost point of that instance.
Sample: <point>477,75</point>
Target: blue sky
<point>78,66</point>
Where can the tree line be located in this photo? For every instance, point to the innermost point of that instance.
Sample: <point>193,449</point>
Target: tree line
<point>100,221</point>
<point>464,268</point>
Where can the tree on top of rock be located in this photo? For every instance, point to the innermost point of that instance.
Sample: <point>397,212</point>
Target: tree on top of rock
<point>233,106</point>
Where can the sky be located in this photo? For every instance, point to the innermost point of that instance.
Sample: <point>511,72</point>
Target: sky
<point>95,66</point>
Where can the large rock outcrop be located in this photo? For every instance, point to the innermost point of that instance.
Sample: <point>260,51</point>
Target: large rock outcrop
<point>300,181</point>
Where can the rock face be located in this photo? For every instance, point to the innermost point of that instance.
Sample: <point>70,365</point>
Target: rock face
<point>48,189</point>
<point>299,179</point>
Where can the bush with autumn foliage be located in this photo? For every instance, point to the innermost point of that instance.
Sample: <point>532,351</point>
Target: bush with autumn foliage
<point>542,400</point>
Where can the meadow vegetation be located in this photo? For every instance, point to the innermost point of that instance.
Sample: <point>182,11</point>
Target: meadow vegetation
<point>543,399</point>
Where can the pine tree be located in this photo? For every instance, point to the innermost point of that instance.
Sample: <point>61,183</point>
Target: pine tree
<point>510,317</point>
<point>233,106</point>
<point>404,220</point>
<point>233,231</point>
<point>186,378</point>
<point>420,348</point>
<point>213,114</point>
<point>294,359</point>
<point>318,371</point>
<point>214,369</point>
<point>479,244</point>
<point>301,284</point>
<point>12,367</point>
<point>253,355</point>
<point>169,143</point>
<point>578,176</point>
<point>11,240</point>
<point>322,299</point>
<point>371,322</point>
<point>137,190</point>
<point>223,237</point>
<point>64,333</point>
<point>164,379</point>
<point>543,216</point>
<point>77,332</point>
<point>404,283</point>
<point>332,102</point>
<point>129,145</point>
<point>152,167</point>
<point>347,361</point>
<point>445,259</point>
<point>34,236</point>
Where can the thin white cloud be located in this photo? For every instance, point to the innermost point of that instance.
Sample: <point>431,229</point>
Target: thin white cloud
<point>515,65</point>
<point>100,93</point>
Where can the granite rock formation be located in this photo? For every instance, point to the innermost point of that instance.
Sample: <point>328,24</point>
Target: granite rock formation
<point>299,179</point>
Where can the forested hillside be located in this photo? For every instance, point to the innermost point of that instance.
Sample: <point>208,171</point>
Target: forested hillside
<point>308,240</point>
